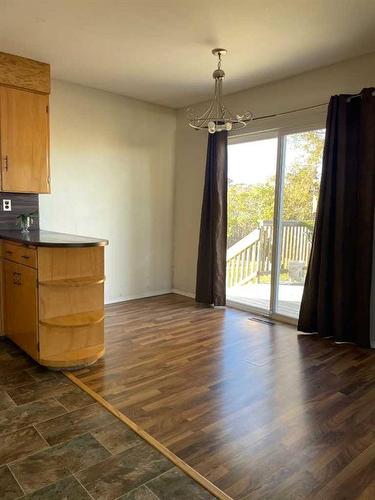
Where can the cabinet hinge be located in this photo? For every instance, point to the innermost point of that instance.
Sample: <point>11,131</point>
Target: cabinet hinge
<point>37,346</point>
<point>47,109</point>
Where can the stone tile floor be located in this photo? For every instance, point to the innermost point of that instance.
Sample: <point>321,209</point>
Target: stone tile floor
<point>58,443</point>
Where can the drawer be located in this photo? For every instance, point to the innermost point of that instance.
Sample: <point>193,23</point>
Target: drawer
<point>21,254</point>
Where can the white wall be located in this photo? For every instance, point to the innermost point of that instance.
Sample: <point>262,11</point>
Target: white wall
<point>115,175</point>
<point>307,89</point>
<point>112,164</point>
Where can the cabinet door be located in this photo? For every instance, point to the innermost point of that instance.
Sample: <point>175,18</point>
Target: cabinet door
<point>20,306</point>
<point>24,141</point>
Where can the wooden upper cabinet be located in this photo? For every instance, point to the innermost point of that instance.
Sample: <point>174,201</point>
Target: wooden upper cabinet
<point>24,141</point>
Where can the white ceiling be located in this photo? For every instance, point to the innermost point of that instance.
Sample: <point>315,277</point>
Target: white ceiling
<point>160,50</point>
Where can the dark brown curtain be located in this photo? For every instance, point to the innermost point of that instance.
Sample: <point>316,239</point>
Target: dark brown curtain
<point>211,267</point>
<point>336,298</point>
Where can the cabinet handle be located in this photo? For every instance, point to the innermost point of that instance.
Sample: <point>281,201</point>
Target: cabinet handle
<point>5,163</point>
<point>17,279</point>
<point>25,256</point>
<point>9,252</point>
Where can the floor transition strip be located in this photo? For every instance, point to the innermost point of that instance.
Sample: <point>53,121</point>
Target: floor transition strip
<point>196,476</point>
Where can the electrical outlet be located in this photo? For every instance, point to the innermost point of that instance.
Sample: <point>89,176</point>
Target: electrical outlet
<point>7,205</point>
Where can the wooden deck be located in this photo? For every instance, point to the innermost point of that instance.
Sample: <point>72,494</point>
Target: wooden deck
<point>258,296</point>
<point>261,412</point>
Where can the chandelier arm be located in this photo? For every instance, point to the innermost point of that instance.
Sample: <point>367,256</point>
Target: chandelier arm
<point>205,118</point>
<point>202,121</point>
<point>206,115</point>
<point>229,113</point>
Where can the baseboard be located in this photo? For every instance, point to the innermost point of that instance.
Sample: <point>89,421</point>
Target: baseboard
<point>181,292</point>
<point>144,295</point>
<point>139,296</point>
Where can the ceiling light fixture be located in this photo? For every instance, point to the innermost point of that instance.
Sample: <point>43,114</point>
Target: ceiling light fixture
<point>218,117</point>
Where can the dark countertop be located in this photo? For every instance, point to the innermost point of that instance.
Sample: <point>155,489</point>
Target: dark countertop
<point>42,238</point>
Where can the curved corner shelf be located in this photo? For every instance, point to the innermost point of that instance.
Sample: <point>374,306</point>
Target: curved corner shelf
<point>74,320</point>
<point>74,282</point>
<point>73,360</point>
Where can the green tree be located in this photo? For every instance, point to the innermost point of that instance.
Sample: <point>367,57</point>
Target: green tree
<point>249,205</point>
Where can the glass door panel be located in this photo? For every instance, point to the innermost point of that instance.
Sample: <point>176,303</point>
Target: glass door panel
<point>251,195</point>
<point>300,190</point>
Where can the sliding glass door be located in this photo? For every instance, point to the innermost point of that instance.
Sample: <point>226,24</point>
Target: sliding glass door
<point>273,187</point>
<point>300,184</point>
<point>251,195</point>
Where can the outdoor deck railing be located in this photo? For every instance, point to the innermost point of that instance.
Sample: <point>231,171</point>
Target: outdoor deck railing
<point>251,257</point>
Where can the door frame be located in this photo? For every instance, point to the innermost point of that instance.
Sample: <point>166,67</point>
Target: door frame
<point>281,134</point>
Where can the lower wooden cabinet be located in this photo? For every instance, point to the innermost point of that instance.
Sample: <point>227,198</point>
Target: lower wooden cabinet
<point>53,306</point>
<point>21,306</point>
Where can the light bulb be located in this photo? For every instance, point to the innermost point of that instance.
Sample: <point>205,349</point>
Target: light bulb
<point>228,126</point>
<point>211,127</point>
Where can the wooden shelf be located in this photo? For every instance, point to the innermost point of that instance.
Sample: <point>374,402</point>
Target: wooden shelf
<point>74,359</point>
<point>74,320</point>
<point>74,282</point>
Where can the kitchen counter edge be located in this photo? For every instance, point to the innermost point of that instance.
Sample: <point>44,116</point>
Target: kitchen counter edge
<point>41,238</point>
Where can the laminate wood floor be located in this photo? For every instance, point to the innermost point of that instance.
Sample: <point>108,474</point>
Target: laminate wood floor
<point>258,410</point>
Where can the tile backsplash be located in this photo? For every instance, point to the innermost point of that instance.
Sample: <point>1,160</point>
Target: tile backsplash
<point>21,203</point>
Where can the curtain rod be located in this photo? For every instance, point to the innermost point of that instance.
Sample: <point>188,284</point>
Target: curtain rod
<point>358,95</point>
<point>288,112</point>
<point>302,109</point>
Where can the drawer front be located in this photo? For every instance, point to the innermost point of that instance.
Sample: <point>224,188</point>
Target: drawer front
<point>20,254</point>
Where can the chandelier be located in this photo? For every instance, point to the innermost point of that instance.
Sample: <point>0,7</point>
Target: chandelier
<point>218,117</point>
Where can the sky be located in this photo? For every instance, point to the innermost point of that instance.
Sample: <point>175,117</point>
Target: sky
<point>252,162</point>
<point>255,161</point>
